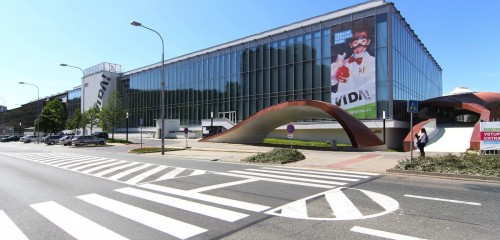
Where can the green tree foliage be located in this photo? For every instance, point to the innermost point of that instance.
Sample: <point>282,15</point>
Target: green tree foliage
<point>53,117</point>
<point>91,116</point>
<point>112,114</point>
<point>76,121</point>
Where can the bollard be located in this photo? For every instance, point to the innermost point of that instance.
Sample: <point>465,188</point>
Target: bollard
<point>334,144</point>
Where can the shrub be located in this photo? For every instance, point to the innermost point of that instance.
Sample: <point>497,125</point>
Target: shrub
<point>277,155</point>
<point>465,163</point>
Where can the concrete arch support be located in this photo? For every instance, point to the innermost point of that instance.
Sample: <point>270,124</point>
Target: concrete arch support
<point>255,128</point>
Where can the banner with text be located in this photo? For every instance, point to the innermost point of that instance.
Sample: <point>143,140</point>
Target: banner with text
<point>490,136</point>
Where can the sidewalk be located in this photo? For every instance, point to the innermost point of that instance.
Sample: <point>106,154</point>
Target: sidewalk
<point>375,161</point>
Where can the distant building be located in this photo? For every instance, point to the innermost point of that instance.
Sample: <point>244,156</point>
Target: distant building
<point>3,108</point>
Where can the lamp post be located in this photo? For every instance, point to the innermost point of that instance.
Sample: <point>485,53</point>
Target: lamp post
<point>162,95</point>
<point>127,126</point>
<point>383,119</point>
<point>20,129</point>
<point>37,110</point>
<point>82,106</point>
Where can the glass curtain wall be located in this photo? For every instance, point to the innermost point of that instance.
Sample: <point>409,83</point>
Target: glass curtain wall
<point>74,101</point>
<point>416,75</point>
<point>244,78</point>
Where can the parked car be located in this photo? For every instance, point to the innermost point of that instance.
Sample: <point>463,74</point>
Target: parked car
<point>51,140</point>
<point>86,140</point>
<point>10,139</point>
<point>66,140</point>
<point>31,138</point>
<point>101,135</point>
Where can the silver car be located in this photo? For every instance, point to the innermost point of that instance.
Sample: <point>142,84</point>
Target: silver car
<point>86,140</point>
<point>66,140</point>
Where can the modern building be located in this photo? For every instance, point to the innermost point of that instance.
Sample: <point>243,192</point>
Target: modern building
<point>365,59</point>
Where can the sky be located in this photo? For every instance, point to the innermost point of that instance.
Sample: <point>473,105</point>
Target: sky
<point>36,36</point>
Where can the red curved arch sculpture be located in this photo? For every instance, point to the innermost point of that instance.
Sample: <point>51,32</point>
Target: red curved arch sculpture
<point>255,128</point>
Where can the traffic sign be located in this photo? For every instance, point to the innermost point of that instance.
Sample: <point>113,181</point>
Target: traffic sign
<point>290,128</point>
<point>412,106</point>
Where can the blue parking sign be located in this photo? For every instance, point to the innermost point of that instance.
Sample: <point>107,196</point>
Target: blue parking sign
<point>412,106</point>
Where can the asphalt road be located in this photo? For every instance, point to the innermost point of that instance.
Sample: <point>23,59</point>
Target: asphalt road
<point>56,192</point>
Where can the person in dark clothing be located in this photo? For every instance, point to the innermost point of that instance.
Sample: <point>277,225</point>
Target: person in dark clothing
<point>422,141</point>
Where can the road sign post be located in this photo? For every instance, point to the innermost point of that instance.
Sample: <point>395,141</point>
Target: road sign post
<point>290,128</point>
<point>186,132</point>
<point>412,108</point>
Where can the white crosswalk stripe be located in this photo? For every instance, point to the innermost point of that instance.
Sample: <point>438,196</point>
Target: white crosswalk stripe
<point>9,230</point>
<point>131,172</point>
<point>159,222</point>
<point>73,223</point>
<point>319,178</point>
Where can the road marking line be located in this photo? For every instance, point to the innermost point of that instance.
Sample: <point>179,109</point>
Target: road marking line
<point>144,175</point>
<point>170,174</point>
<point>215,212</point>
<point>102,166</point>
<point>276,180</point>
<point>444,200</point>
<point>297,209</point>
<point>305,175</point>
<point>339,171</point>
<point>167,225</point>
<point>74,224</point>
<point>208,198</point>
<point>93,164</point>
<point>288,178</point>
<point>341,206</point>
<point>110,170</point>
<point>130,171</point>
<point>317,172</point>
<point>197,172</point>
<point>80,162</point>
<point>8,229</point>
<point>76,160</point>
<point>383,234</point>
<point>222,185</point>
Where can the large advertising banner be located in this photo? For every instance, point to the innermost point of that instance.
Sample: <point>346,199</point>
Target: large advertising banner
<point>353,86</point>
<point>490,136</point>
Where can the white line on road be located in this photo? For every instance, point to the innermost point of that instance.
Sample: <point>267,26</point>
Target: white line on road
<point>383,234</point>
<point>9,230</point>
<point>73,223</point>
<point>305,175</point>
<point>208,198</point>
<point>144,175</point>
<point>288,178</point>
<point>222,185</point>
<point>276,180</point>
<point>444,200</point>
<point>159,222</point>
<point>215,212</point>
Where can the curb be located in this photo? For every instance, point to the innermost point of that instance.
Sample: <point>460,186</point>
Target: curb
<point>447,175</point>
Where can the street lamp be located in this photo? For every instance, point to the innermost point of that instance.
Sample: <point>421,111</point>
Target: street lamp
<point>127,127</point>
<point>82,87</point>
<point>37,127</point>
<point>162,95</point>
<point>20,128</point>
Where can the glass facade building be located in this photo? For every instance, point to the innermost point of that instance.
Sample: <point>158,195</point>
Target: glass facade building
<point>290,63</point>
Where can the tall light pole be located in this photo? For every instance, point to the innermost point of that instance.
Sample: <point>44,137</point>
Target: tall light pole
<point>162,95</point>
<point>82,106</point>
<point>37,127</point>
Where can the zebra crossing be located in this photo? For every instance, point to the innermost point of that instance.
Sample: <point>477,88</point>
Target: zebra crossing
<point>128,172</point>
<point>147,187</point>
<point>80,225</point>
<point>319,178</point>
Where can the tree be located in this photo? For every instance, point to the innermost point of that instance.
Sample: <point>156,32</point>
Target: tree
<point>76,121</point>
<point>53,117</point>
<point>91,116</point>
<point>112,113</point>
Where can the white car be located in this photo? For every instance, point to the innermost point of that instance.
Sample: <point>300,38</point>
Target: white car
<point>66,140</point>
